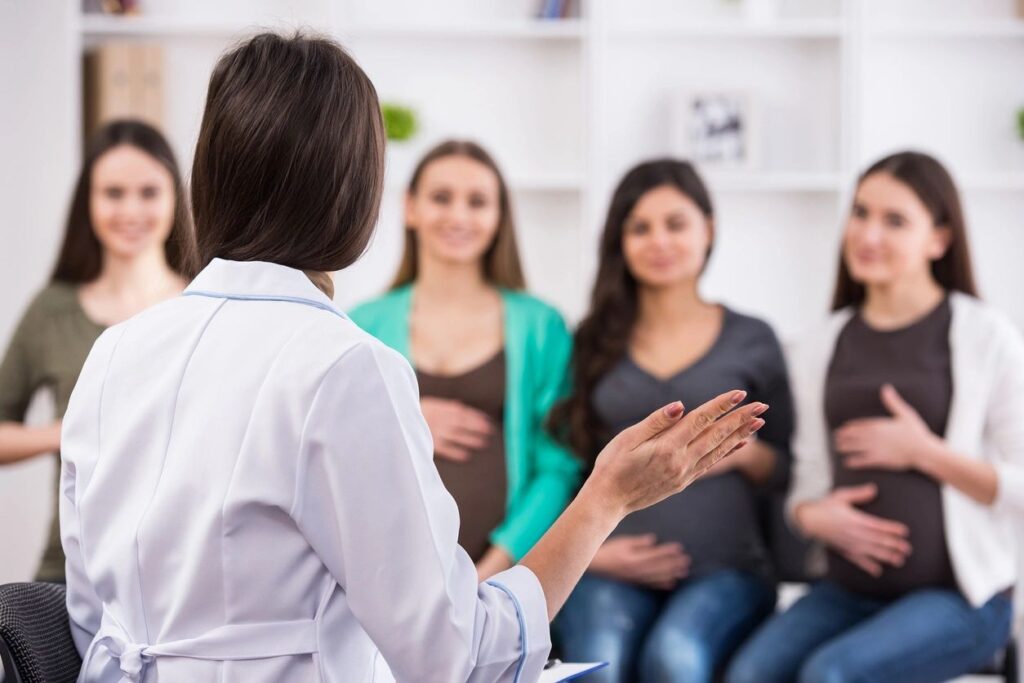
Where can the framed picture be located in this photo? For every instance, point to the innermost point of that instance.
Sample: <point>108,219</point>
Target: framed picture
<point>715,129</point>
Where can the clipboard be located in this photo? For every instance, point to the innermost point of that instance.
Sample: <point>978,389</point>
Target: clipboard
<point>565,671</point>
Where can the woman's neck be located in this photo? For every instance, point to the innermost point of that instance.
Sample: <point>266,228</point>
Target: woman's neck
<point>144,278</point>
<point>323,281</point>
<point>669,308</point>
<point>452,283</point>
<point>899,304</point>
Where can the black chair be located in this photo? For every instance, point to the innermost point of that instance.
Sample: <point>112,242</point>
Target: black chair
<point>35,638</point>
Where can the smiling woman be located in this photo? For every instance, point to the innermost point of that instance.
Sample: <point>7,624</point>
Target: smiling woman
<point>122,252</point>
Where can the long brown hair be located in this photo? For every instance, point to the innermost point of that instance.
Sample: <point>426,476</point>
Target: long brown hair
<point>501,260</point>
<point>81,255</point>
<point>289,166</point>
<point>602,338</point>
<point>934,186</point>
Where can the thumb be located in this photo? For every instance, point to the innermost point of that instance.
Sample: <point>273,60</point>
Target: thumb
<point>894,403</point>
<point>654,424</point>
<point>864,493</point>
<point>644,541</point>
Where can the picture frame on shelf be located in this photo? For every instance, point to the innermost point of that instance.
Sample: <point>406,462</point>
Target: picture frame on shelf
<point>715,129</point>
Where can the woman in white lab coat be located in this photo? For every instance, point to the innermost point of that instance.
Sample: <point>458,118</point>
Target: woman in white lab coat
<point>248,492</point>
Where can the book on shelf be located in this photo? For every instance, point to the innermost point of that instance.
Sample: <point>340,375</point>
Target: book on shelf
<point>110,6</point>
<point>123,80</point>
<point>561,9</point>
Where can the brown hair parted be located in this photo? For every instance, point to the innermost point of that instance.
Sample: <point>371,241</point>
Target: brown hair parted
<point>934,186</point>
<point>603,336</point>
<point>81,254</point>
<point>501,260</point>
<point>289,166</point>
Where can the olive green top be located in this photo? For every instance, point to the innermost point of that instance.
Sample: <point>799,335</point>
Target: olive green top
<point>47,350</point>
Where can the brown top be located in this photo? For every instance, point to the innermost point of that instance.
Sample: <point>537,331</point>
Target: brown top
<point>479,485</point>
<point>47,350</point>
<point>916,360</point>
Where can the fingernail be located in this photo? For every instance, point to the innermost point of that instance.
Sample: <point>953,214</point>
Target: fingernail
<point>761,409</point>
<point>738,396</point>
<point>674,410</point>
<point>756,424</point>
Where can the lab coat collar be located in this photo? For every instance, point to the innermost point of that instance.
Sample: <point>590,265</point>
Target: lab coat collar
<point>258,280</point>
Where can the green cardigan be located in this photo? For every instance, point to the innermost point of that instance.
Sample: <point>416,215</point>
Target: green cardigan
<point>542,475</point>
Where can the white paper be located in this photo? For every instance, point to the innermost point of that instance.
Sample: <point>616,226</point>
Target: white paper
<point>566,672</point>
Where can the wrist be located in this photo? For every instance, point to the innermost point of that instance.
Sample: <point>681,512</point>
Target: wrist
<point>924,459</point>
<point>803,515</point>
<point>598,504</point>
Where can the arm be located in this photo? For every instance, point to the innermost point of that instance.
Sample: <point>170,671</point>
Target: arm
<point>556,472</point>
<point>373,507</point>
<point>18,382</point>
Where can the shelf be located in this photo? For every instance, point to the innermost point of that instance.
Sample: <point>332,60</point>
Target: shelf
<point>1005,28</point>
<point>790,28</point>
<point>534,29</point>
<point>773,181</point>
<point>536,183</point>
<point>146,26</point>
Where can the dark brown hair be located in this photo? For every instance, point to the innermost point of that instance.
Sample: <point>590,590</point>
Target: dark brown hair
<point>602,338</point>
<point>934,186</point>
<point>289,166</point>
<point>501,260</point>
<point>81,254</point>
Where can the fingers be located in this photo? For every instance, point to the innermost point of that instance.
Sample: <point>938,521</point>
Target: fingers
<point>640,542</point>
<point>725,435</point>
<point>855,495</point>
<point>882,526</point>
<point>653,425</point>
<point>865,563</point>
<point>473,420</point>
<point>449,451</point>
<point>864,461</point>
<point>704,416</point>
<point>894,403</point>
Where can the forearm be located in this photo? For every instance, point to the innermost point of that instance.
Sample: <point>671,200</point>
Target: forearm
<point>562,555</point>
<point>18,442</point>
<point>975,478</point>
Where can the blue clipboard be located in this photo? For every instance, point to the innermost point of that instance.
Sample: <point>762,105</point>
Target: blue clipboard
<point>568,671</point>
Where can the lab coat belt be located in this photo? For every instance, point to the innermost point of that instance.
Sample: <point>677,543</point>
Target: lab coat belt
<point>258,640</point>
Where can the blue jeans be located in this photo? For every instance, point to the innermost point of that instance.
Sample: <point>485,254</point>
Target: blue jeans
<point>834,636</point>
<point>657,636</point>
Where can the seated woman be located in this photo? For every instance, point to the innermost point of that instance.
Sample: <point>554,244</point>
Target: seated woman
<point>122,252</point>
<point>909,452</point>
<point>489,358</point>
<point>679,585</point>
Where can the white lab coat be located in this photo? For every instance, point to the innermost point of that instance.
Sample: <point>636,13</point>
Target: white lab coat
<point>248,494</point>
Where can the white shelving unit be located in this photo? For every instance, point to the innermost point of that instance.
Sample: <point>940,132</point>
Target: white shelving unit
<point>568,105</point>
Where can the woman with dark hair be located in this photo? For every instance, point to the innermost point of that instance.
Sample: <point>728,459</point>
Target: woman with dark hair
<point>248,490</point>
<point>122,253</point>
<point>909,453</point>
<point>678,585</point>
<point>490,359</point>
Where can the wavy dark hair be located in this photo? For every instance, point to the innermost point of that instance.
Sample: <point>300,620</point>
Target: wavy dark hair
<point>602,337</point>
<point>502,266</point>
<point>934,186</point>
<point>80,259</point>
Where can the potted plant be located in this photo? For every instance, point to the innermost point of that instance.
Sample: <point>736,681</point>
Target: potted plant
<point>400,121</point>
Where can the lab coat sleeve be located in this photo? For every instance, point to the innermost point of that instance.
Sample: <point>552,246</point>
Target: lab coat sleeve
<point>371,503</point>
<point>79,445</point>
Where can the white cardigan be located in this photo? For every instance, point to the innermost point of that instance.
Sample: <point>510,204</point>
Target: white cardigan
<point>986,421</point>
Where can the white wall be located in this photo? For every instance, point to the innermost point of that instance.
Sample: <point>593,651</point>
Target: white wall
<point>38,158</point>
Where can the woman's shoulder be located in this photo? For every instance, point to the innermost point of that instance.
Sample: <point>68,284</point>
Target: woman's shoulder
<point>54,300</point>
<point>984,321</point>
<point>531,308</point>
<point>369,313</point>
<point>748,326</point>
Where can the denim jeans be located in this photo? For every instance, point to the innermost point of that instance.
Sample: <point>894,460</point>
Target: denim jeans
<point>834,636</point>
<point>657,636</point>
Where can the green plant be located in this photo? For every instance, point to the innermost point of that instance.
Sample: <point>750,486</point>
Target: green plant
<point>1020,122</point>
<point>400,122</point>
